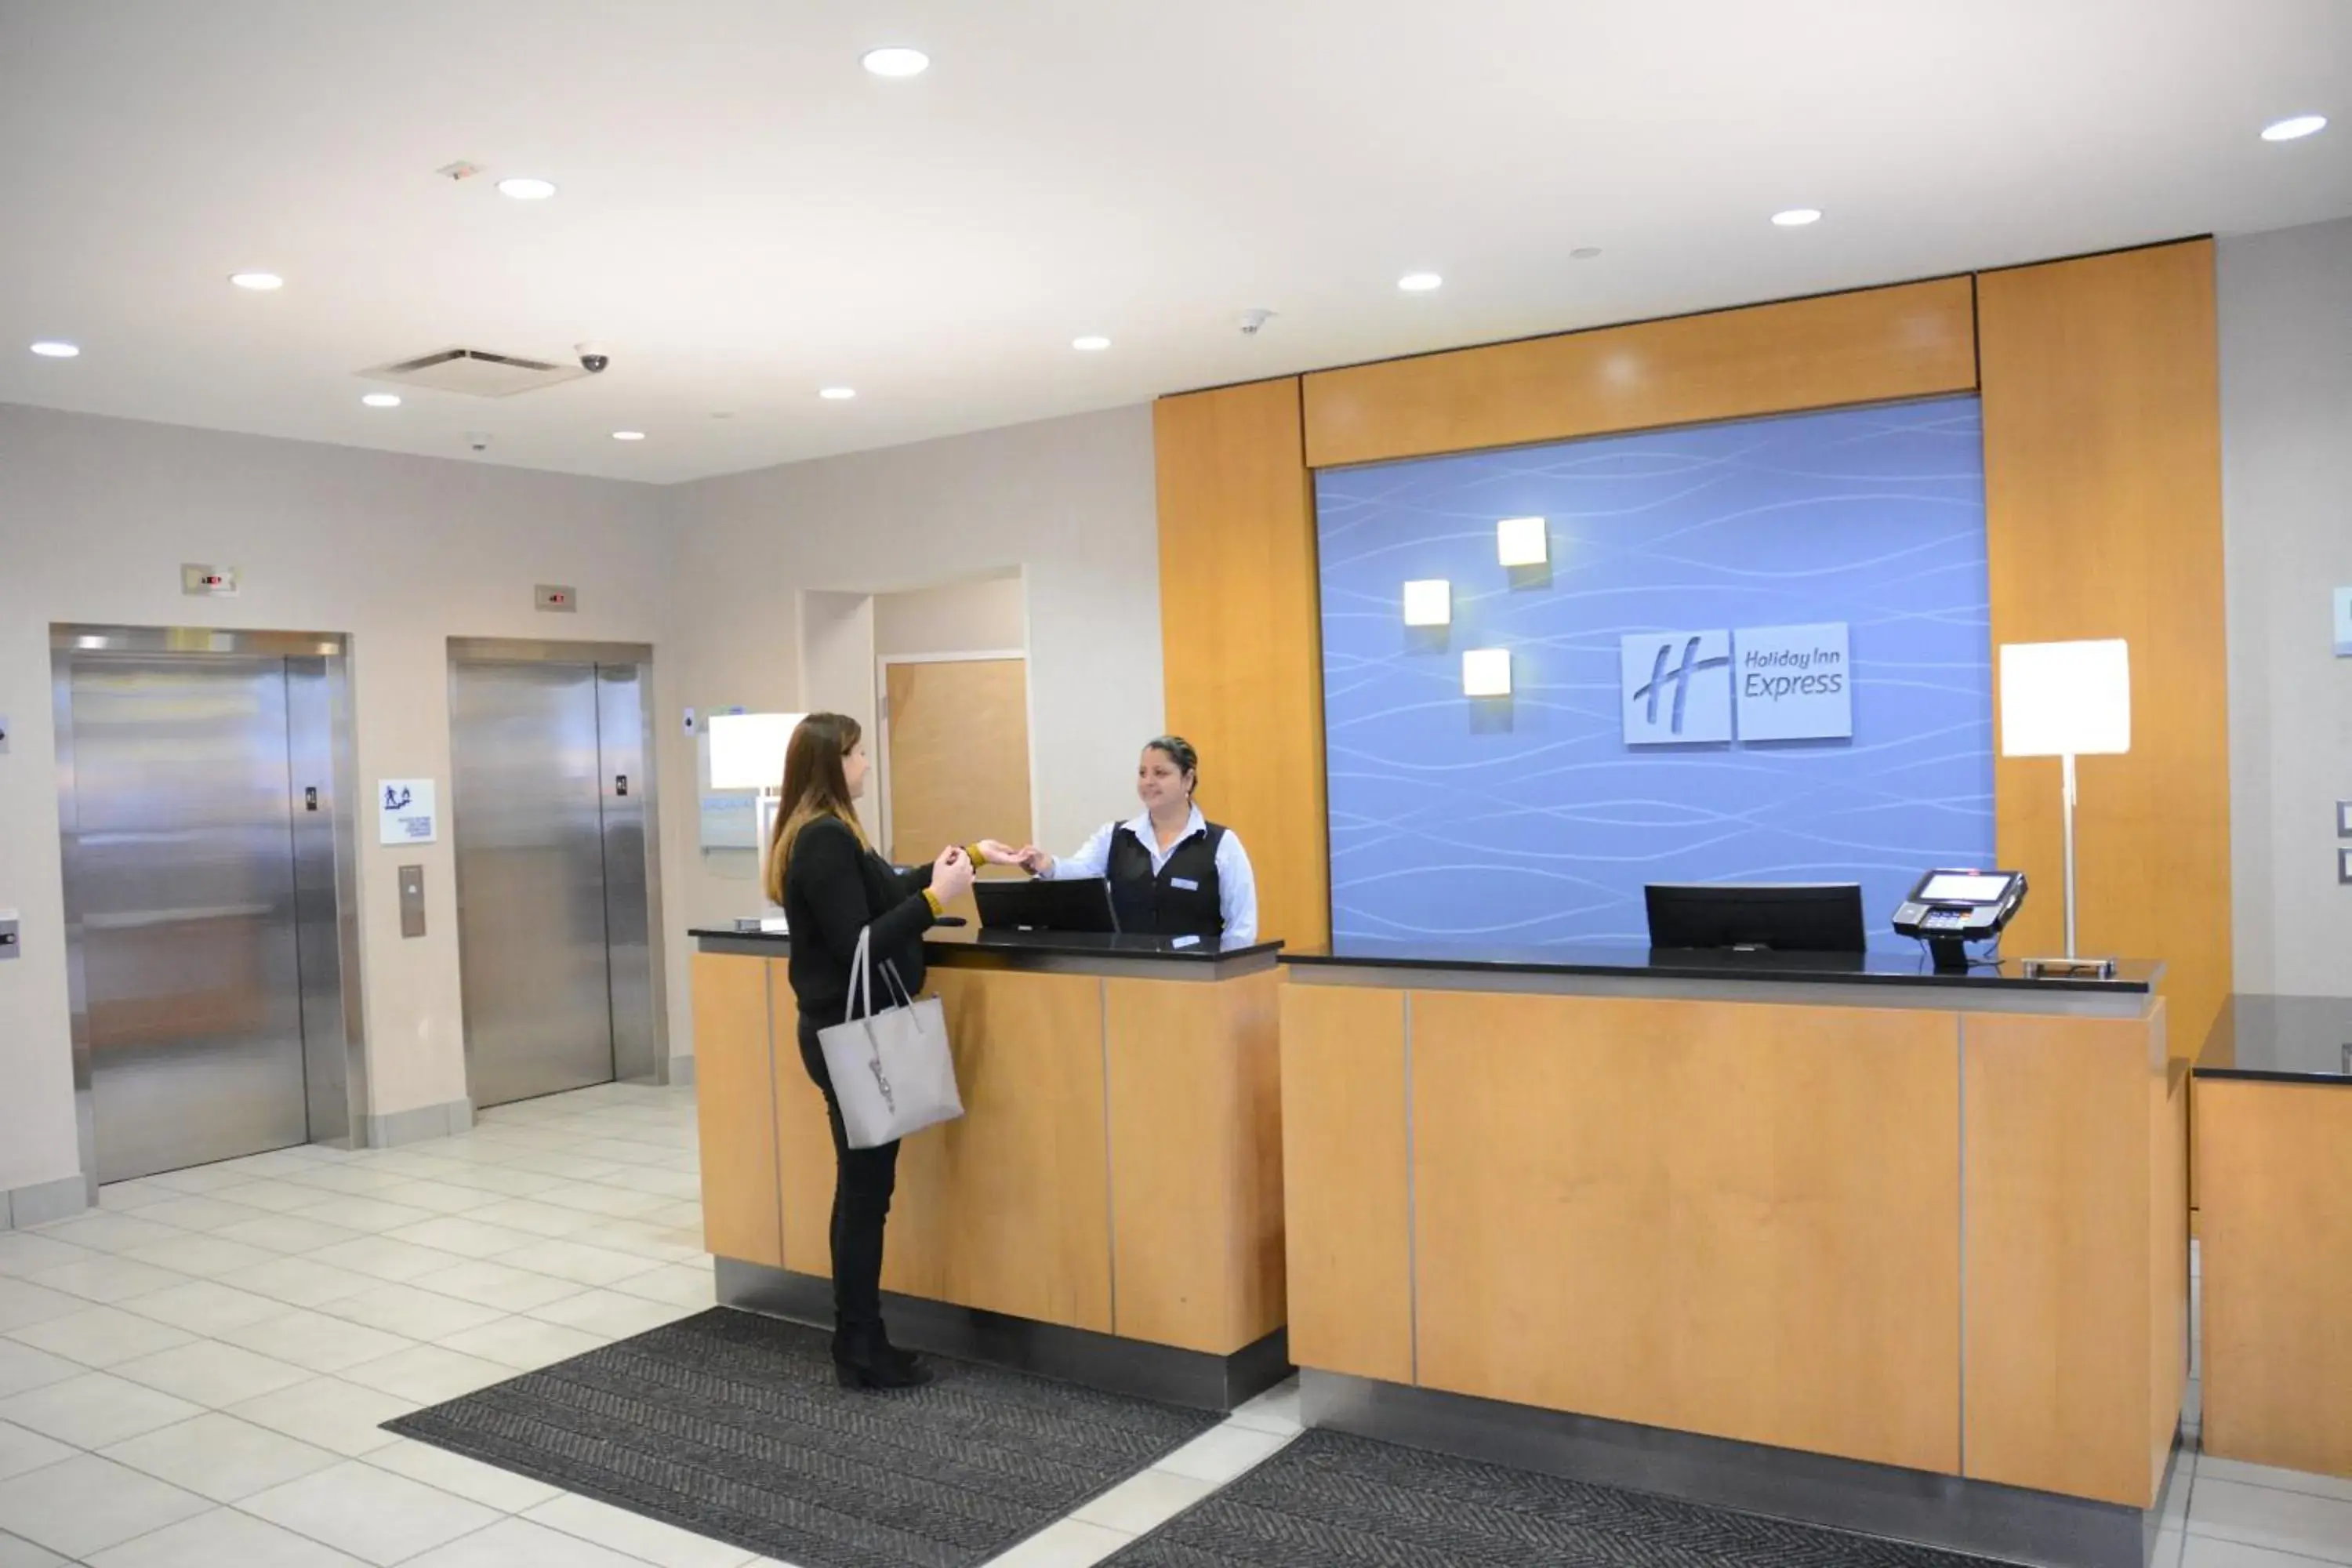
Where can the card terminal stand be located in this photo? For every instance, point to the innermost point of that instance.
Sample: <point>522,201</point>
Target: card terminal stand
<point>1949,909</point>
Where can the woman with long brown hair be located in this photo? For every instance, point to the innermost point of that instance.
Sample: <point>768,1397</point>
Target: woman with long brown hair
<point>832,886</point>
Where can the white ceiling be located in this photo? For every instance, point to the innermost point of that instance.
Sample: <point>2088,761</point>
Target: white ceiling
<point>746,215</point>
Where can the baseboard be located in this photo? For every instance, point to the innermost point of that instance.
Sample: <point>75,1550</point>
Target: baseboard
<point>1194,1379</point>
<point>681,1072</point>
<point>417,1126</point>
<point>43,1202</point>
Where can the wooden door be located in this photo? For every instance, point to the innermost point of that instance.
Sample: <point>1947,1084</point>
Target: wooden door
<point>958,768</point>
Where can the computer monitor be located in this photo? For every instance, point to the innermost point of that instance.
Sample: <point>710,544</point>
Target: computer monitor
<point>1082,903</point>
<point>1786,917</point>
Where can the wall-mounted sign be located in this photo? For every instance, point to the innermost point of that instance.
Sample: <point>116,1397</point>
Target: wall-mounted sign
<point>1769,683</point>
<point>404,811</point>
<point>557,598</point>
<point>209,581</point>
<point>2344,623</point>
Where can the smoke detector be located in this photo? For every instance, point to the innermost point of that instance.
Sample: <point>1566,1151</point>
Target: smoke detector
<point>477,372</point>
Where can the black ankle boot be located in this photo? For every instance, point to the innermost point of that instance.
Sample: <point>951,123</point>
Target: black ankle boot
<point>864,1357</point>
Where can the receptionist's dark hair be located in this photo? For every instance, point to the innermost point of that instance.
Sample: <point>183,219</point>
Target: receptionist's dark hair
<point>1179,751</point>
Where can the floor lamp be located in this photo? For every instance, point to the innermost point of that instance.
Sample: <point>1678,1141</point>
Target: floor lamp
<point>747,751</point>
<point>2066,699</point>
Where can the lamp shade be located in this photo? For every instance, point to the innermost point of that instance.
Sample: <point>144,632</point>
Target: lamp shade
<point>2065,699</point>
<point>747,750</point>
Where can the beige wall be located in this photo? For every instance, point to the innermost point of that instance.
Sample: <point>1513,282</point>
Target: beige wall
<point>2286,477</point>
<point>987,616</point>
<point>401,554</point>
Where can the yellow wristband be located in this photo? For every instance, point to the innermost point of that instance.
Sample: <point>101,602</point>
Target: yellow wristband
<point>933,900</point>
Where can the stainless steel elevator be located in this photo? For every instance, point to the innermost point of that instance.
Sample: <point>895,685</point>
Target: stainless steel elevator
<point>207,860</point>
<point>551,806</point>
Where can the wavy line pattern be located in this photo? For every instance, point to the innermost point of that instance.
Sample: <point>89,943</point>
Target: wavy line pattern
<point>1531,818</point>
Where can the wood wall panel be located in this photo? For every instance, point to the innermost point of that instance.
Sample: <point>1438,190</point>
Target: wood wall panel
<point>1917,340</point>
<point>2278,1273</point>
<point>804,1144</point>
<point>1008,1209</point>
<point>2168,1273</point>
<point>2062,1172</point>
<point>1732,1219</point>
<point>733,1093</point>
<point>2102,511</point>
<point>1196,1160</point>
<point>1346,1184</point>
<point>1242,635</point>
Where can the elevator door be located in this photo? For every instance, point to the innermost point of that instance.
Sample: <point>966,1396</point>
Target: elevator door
<point>181,866</point>
<point>547,811</point>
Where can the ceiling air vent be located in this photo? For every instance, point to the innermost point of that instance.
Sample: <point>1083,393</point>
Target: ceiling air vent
<point>475,372</point>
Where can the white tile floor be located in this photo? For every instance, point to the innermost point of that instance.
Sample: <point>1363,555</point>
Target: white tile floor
<point>194,1376</point>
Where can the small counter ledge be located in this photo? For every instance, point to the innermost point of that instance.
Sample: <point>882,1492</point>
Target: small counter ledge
<point>1108,1209</point>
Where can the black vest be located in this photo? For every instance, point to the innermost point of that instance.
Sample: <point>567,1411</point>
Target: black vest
<point>1181,901</point>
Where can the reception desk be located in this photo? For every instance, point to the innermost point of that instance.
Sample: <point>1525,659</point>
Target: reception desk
<point>1853,1241</point>
<point>2275,1156</point>
<point>1110,1206</point>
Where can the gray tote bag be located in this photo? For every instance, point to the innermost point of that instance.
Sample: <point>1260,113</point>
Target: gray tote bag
<point>891,1071</point>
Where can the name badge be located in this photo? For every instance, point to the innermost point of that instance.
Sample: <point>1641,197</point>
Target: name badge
<point>1186,883</point>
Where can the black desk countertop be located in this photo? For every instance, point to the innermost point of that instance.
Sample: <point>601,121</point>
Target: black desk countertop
<point>1040,943</point>
<point>2280,1039</point>
<point>1890,968</point>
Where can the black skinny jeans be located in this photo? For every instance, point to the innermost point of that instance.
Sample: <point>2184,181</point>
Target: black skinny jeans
<point>863,1181</point>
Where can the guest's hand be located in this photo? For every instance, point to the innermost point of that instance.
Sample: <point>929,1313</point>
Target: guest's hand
<point>1033,861</point>
<point>996,852</point>
<point>951,874</point>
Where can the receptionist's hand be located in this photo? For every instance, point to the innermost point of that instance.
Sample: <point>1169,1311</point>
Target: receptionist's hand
<point>1033,861</point>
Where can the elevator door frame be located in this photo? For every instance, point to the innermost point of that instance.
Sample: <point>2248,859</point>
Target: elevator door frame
<point>651,1062</point>
<point>332,650</point>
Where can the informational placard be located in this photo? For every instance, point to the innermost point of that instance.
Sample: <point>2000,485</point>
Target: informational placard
<point>404,811</point>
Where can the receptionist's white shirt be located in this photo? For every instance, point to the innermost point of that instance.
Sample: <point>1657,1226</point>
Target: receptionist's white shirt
<point>1236,883</point>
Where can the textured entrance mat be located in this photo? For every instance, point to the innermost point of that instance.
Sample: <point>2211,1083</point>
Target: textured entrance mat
<point>732,1425</point>
<point>1330,1500</point>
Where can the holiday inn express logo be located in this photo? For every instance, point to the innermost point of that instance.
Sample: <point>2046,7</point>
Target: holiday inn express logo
<point>1770,683</point>
<point>1677,687</point>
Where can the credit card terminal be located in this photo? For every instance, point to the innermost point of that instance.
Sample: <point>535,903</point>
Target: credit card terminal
<point>1951,908</point>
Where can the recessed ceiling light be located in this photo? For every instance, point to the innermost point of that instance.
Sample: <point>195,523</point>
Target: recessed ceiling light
<point>1797,218</point>
<point>837,393</point>
<point>525,189</point>
<point>259,282</point>
<point>628,435</point>
<point>1584,253</point>
<point>49,348</point>
<point>897,62</point>
<point>1419,282</point>
<point>381,399</point>
<point>2294,129</point>
<point>1091,343</point>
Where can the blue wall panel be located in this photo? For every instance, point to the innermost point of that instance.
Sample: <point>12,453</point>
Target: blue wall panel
<point>1529,819</point>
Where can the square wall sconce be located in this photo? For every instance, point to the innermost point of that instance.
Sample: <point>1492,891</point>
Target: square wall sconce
<point>1522,542</point>
<point>1429,602</point>
<point>1487,672</point>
